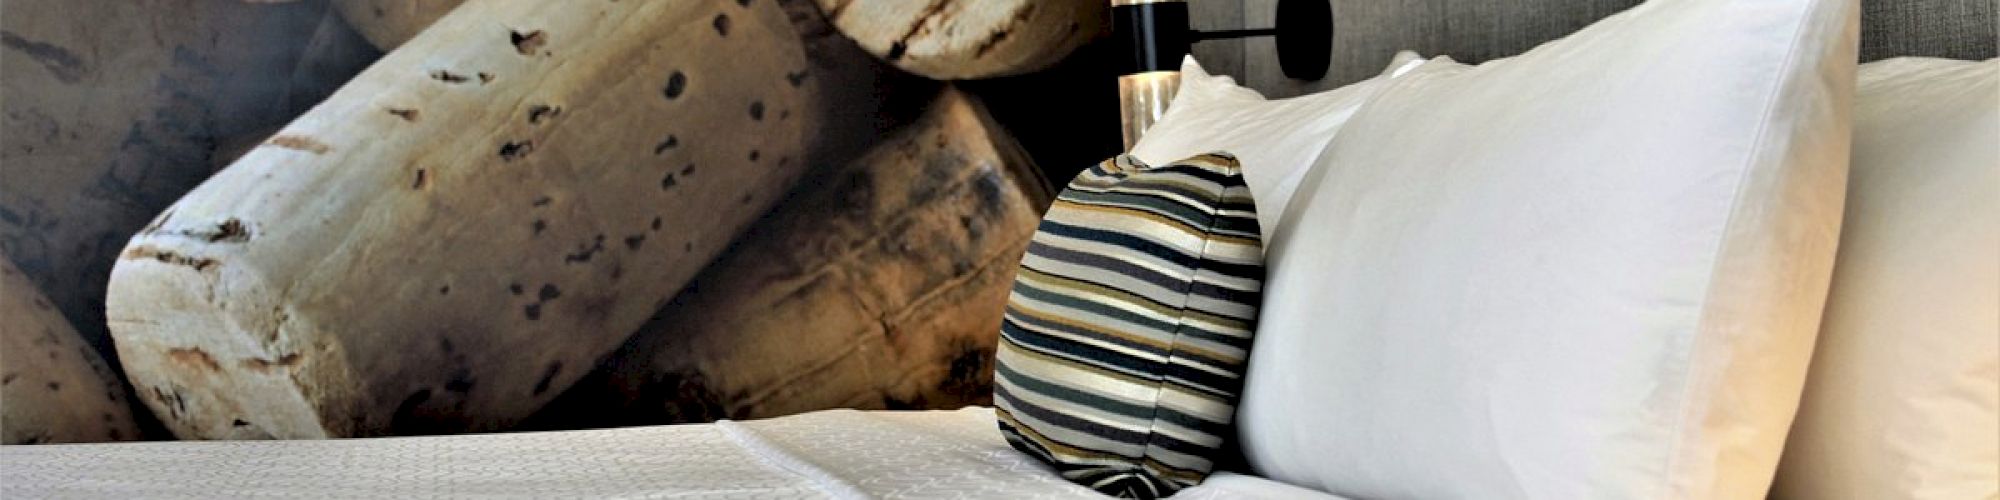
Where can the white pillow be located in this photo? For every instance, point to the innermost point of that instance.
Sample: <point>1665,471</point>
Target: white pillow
<point>1903,400</point>
<point>1275,140</point>
<point>1593,270</point>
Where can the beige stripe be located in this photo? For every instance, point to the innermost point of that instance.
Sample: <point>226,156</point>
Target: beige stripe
<point>1121,299</point>
<point>1078,375</point>
<point>1064,452</point>
<point>1158,228</point>
<point>1080,411</point>
<point>1111,251</point>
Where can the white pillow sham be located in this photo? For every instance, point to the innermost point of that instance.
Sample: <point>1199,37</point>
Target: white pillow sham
<point>1593,270</point>
<point>1275,140</point>
<point>1903,400</point>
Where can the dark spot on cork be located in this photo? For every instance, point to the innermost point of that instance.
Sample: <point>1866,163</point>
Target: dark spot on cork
<point>973,229</point>
<point>55,386</point>
<point>229,231</point>
<point>657,222</point>
<point>194,356</point>
<point>540,225</point>
<point>548,292</point>
<point>969,373</point>
<point>665,145</point>
<point>515,150</point>
<point>634,241</point>
<point>515,288</point>
<point>60,62</point>
<point>238,423</point>
<point>796,78</point>
<point>300,143</point>
<point>757,110</point>
<point>444,290</point>
<point>784,114</point>
<point>584,253</point>
<point>406,412</point>
<point>896,51</point>
<point>527,43</point>
<point>169,257</point>
<point>449,77</point>
<point>742,3</point>
<point>485,78</point>
<point>745,200</point>
<point>721,24</point>
<point>8,378</point>
<point>407,114</point>
<point>991,190</point>
<point>262,364</point>
<point>538,112</point>
<point>532,311</point>
<point>548,377</point>
<point>541,201</point>
<point>687,247</point>
<point>423,179</point>
<point>687,170</point>
<point>460,383</point>
<point>754,155</point>
<point>676,84</point>
<point>668,182</point>
<point>176,405</point>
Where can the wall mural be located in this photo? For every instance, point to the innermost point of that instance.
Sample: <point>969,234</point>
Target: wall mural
<point>343,218</point>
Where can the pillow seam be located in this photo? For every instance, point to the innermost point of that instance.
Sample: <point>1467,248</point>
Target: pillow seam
<point>1181,318</point>
<point>1702,336</point>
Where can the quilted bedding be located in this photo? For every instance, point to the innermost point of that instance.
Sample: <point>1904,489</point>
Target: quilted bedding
<point>829,454</point>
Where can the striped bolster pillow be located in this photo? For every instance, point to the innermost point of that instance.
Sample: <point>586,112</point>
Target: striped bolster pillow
<point>1122,352</point>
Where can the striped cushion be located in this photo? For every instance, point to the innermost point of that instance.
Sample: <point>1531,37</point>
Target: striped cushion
<point>1122,351</point>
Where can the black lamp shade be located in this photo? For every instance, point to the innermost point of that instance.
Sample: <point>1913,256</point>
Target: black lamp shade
<point>1156,34</point>
<point>1305,38</point>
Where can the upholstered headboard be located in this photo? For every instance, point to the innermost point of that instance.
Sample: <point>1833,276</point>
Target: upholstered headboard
<point>1368,32</point>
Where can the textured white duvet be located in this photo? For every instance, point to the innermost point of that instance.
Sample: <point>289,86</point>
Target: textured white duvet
<point>830,454</point>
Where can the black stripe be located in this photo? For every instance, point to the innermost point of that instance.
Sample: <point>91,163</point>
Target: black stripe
<point>1177,284</point>
<point>1230,295</point>
<point>1165,253</point>
<point>1067,421</point>
<point>1162,206</point>
<point>1077,304</point>
<point>1082,398</point>
<point>1143,369</point>
<point>1193,194</point>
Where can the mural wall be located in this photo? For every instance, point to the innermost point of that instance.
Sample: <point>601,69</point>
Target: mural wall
<point>338,218</point>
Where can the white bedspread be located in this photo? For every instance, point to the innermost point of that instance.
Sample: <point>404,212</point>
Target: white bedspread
<point>829,454</point>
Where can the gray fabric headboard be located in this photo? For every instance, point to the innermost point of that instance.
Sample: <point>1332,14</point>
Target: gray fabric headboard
<point>1958,29</point>
<point>1368,32</point>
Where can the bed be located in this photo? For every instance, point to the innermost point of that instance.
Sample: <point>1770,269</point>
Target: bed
<point>827,454</point>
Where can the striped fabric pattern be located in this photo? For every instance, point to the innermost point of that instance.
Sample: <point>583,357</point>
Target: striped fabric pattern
<point>1122,353</point>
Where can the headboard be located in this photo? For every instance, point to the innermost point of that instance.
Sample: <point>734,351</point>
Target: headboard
<point>1368,32</point>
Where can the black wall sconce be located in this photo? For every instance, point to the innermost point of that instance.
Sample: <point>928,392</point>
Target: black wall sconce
<point>1157,34</point>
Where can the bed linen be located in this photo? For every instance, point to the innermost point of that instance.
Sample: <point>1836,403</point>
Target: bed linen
<point>828,454</point>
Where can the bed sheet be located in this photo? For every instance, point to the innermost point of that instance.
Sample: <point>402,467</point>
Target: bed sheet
<point>828,454</point>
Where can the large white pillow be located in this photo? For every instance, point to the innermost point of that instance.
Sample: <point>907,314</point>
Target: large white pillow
<point>1593,270</point>
<point>1275,140</point>
<point>1903,400</point>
